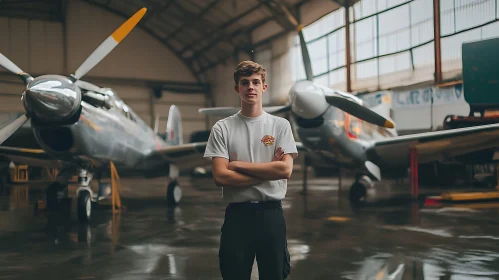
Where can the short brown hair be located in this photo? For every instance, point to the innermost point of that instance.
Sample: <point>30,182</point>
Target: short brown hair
<point>248,68</point>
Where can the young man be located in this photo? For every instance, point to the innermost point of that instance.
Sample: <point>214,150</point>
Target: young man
<point>252,156</point>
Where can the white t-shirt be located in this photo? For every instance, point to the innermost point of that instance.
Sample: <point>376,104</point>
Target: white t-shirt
<point>240,138</point>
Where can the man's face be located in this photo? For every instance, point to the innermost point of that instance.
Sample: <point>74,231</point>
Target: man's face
<point>251,88</point>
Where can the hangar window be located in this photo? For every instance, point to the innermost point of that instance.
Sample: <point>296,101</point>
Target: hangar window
<point>392,38</point>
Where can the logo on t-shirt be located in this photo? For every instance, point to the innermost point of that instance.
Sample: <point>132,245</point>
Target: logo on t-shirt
<point>267,140</point>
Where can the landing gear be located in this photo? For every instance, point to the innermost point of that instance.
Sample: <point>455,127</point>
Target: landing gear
<point>358,194</point>
<point>85,196</point>
<point>173,193</point>
<point>84,206</point>
<point>359,190</point>
<point>57,192</point>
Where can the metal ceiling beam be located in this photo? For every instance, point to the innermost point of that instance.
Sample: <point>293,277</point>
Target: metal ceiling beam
<point>222,35</point>
<point>222,27</point>
<point>194,20</point>
<point>181,19</point>
<point>157,10</point>
<point>277,14</point>
<point>246,31</point>
<point>278,10</point>
<point>188,15</point>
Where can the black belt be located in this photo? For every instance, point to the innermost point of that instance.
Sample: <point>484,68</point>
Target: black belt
<point>257,205</point>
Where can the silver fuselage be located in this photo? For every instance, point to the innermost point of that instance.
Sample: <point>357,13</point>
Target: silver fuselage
<point>100,136</point>
<point>70,129</point>
<point>330,134</point>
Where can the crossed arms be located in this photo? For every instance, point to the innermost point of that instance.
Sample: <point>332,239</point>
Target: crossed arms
<point>239,174</point>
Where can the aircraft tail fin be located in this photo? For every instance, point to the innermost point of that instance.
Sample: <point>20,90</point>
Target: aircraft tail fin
<point>174,127</point>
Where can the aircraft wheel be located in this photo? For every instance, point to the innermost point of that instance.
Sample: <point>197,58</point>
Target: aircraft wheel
<point>54,196</point>
<point>84,207</point>
<point>358,194</point>
<point>173,193</point>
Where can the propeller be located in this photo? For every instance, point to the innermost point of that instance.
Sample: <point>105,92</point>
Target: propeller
<point>9,65</point>
<point>99,53</point>
<point>359,111</point>
<point>109,44</point>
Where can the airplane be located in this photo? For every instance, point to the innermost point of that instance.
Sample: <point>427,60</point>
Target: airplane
<point>337,129</point>
<point>82,128</point>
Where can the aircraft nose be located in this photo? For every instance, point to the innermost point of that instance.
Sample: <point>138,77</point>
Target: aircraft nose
<point>52,99</point>
<point>307,100</point>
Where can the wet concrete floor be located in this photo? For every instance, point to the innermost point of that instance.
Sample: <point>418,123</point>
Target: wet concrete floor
<point>327,237</point>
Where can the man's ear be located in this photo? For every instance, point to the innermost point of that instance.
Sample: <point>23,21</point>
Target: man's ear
<point>236,88</point>
<point>265,87</point>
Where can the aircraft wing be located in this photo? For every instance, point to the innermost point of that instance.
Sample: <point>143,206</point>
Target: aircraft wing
<point>36,157</point>
<point>183,156</point>
<point>432,146</point>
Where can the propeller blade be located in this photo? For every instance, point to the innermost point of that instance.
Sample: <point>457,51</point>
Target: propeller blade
<point>304,50</point>
<point>109,44</point>
<point>9,65</point>
<point>359,111</point>
<point>305,55</point>
<point>12,127</point>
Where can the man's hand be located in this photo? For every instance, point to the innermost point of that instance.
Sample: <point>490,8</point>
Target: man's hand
<point>279,154</point>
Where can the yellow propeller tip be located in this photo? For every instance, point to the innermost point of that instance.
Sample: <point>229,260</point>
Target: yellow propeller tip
<point>300,27</point>
<point>389,124</point>
<point>126,27</point>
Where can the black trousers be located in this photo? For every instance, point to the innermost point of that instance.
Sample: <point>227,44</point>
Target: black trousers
<point>254,230</point>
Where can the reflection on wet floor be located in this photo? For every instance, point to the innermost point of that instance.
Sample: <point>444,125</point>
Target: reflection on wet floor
<point>327,237</point>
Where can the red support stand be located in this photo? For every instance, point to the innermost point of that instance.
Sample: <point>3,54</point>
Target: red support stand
<point>414,172</point>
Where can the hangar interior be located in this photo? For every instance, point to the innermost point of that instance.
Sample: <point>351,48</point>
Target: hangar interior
<point>406,54</point>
